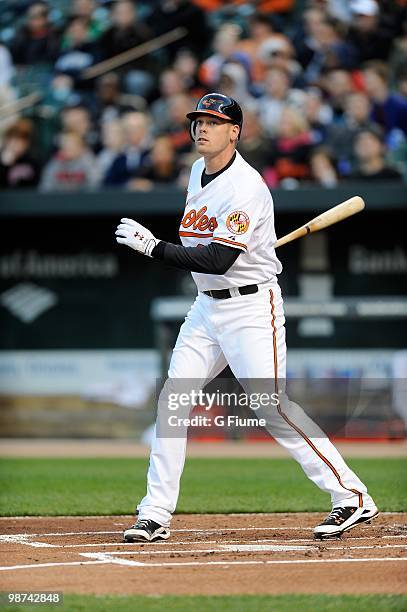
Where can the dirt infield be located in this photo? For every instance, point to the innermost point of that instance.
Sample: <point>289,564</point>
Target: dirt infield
<point>40,447</point>
<point>206,554</point>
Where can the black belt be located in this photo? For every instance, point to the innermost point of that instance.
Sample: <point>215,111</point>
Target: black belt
<point>223,294</point>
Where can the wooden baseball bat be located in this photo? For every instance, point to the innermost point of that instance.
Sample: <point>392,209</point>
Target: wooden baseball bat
<point>329,217</point>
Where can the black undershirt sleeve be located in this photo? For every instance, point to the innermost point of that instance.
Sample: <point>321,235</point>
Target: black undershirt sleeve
<point>211,259</point>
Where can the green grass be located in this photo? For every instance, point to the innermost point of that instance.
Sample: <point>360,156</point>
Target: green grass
<point>235,603</point>
<point>113,486</point>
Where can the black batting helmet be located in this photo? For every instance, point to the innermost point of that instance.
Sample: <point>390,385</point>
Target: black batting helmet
<point>220,106</point>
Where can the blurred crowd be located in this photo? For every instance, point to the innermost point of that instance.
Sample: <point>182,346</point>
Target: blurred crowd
<point>322,83</point>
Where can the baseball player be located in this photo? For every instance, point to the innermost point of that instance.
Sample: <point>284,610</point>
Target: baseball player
<point>227,234</point>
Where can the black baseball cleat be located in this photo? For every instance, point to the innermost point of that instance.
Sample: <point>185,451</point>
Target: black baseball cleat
<point>146,531</point>
<point>342,519</point>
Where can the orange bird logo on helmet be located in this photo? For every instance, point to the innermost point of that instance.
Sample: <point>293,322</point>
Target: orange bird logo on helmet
<point>208,102</point>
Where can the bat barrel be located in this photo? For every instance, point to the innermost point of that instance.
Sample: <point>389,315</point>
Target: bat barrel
<point>329,217</point>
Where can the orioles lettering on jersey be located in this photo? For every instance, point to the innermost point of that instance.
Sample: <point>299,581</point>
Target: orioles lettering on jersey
<point>197,220</point>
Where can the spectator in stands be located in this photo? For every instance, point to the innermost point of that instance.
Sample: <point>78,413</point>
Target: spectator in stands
<point>112,145</point>
<point>398,60</point>
<point>72,168</point>
<point>397,153</point>
<point>331,51</point>
<point>367,33</point>
<point>60,93</point>
<point>260,29</point>
<point>6,66</point>
<point>317,73</point>
<point>161,166</point>
<point>338,85</point>
<point>304,39</point>
<point>234,83</point>
<point>317,112</point>
<point>37,40</point>
<point>171,84</point>
<point>340,136</point>
<point>337,10</point>
<point>279,53</point>
<point>126,30</point>
<point>85,9</point>
<point>77,119</point>
<point>322,167</point>
<point>388,109</point>
<point>125,33</point>
<point>401,84</point>
<point>276,95</point>
<point>109,101</point>
<point>170,14</point>
<point>370,158</point>
<point>226,49</point>
<point>7,93</point>
<point>186,67</point>
<point>254,145</point>
<point>18,167</point>
<point>78,51</point>
<point>179,125</point>
<point>261,32</point>
<point>131,161</point>
<point>290,150</point>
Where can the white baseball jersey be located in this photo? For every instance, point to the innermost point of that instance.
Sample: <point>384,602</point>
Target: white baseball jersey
<point>235,209</point>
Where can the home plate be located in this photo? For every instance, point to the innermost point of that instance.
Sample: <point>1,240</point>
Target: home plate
<point>266,547</point>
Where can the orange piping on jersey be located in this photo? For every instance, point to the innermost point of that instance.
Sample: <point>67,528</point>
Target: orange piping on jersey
<point>287,420</point>
<point>240,244</point>
<point>186,234</point>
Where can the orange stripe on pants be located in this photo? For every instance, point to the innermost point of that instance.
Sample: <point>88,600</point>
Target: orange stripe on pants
<point>287,420</point>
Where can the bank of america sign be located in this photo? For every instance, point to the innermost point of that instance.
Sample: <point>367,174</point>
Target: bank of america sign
<point>28,301</point>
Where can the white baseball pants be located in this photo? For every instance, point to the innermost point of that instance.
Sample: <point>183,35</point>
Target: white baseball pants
<point>247,333</point>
